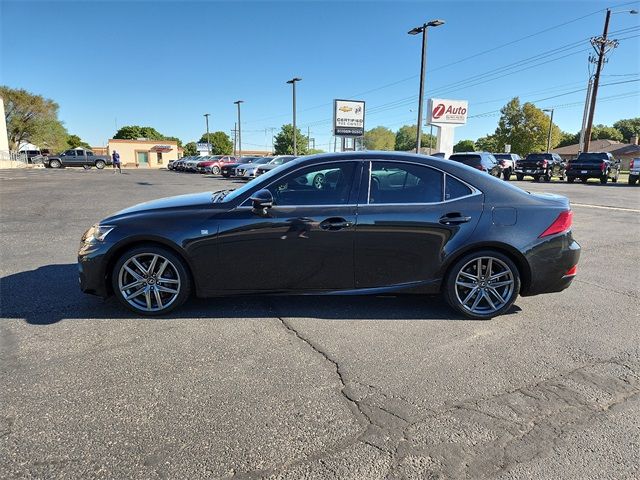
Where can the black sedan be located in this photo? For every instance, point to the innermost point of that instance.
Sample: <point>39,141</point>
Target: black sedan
<point>378,222</point>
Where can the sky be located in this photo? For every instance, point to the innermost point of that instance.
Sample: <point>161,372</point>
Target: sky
<point>165,63</point>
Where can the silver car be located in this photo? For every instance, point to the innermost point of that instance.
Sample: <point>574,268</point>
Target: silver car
<point>276,162</point>
<point>248,170</point>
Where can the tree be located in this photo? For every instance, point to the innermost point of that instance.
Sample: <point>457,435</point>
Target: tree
<point>28,117</point>
<point>602,132</point>
<point>525,128</point>
<point>488,143</point>
<point>74,141</point>
<point>567,139</point>
<point>464,146</point>
<point>379,138</point>
<point>190,149</point>
<point>133,132</point>
<point>313,151</point>
<point>628,127</point>
<point>406,139</point>
<point>221,144</point>
<point>283,141</point>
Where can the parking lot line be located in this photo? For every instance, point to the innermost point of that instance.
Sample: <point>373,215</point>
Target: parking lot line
<point>604,207</point>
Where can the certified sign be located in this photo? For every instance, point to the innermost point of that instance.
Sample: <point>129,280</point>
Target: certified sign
<point>348,118</point>
<point>447,111</point>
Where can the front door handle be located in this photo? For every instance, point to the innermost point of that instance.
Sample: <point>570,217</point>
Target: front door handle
<point>335,224</point>
<point>454,218</point>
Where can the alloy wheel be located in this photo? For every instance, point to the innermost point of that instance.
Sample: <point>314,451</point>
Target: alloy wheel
<point>149,282</point>
<point>484,285</point>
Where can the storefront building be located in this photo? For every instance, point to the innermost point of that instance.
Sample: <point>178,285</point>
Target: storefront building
<point>142,153</point>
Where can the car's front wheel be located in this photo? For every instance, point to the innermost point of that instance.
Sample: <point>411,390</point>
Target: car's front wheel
<point>55,163</point>
<point>482,285</point>
<point>215,170</point>
<point>150,280</point>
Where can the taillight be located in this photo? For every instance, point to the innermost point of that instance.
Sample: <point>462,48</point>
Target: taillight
<point>572,271</point>
<point>603,166</point>
<point>560,224</point>
<point>631,163</point>
<point>544,164</point>
<point>480,167</point>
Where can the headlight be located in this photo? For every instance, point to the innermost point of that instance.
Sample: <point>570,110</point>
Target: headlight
<point>97,233</point>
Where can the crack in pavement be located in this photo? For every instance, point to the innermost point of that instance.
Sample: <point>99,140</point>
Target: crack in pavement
<point>478,437</point>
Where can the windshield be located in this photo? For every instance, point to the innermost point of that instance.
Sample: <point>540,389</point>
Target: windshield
<point>502,156</point>
<point>262,179</point>
<point>466,159</point>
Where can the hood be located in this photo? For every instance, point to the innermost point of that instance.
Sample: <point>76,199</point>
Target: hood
<point>179,201</point>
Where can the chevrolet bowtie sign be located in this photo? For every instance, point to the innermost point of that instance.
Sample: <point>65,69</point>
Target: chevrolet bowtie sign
<point>348,118</point>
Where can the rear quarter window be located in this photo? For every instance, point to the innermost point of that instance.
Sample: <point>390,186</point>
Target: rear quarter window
<point>454,188</point>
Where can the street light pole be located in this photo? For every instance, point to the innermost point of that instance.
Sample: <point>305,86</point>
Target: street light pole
<point>602,46</point>
<point>423,64</point>
<point>550,126</point>
<point>206,118</point>
<point>293,84</point>
<point>238,102</point>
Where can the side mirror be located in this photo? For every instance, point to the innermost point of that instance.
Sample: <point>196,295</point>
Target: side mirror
<point>262,199</point>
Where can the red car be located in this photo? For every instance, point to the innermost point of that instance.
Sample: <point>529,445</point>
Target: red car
<point>214,164</point>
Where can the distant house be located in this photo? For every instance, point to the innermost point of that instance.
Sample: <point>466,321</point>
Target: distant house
<point>622,151</point>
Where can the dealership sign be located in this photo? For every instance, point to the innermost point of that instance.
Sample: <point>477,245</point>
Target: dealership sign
<point>203,147</point>
<point>348,118</point>
<point>447,111</point>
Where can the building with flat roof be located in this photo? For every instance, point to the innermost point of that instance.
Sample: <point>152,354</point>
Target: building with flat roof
<point>142,153</point>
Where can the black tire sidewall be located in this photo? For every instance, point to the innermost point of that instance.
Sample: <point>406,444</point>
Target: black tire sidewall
<point>185,278</point>
<point>450,280</point>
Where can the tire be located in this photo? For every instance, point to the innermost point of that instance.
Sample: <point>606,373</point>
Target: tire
<point>100,164</point>
<point>318,181</point>
<point>176,280</point>
<point>547,176</point>
<point>55,163</point>
<point>87,167</point>
<point>215,170</point>
<point>584,180</point>
<point>537,178</point>
<point>506,174</point>
<point>615,179</point>
<point>603,180</point>
<point>226,175</point>
<point>632,179</point>
<point>519,177</point>
<point>466,300</point>
<point>571,179</point>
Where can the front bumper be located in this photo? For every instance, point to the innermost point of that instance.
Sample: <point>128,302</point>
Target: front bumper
<point>92,268</point>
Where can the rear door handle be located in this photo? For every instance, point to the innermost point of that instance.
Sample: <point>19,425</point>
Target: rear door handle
<point>454,218</point>
<point>335,224</point>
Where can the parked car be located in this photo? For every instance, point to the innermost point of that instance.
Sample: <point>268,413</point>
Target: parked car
<point>541,166</point>
<point>205,163</point>
<point>275,162</point>
<point>600,165</point>
<point>482,161</point>
<point>508,162</point>
<point>77,157</point>
<point>424,226</point>
<point>31,155</point>
<point>228,169</point>
<point>634,171</point>
<point>191,165</point>
<point>248,170</point>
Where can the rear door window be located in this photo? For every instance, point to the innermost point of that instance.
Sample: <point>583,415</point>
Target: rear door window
<point>394,182</point>
<point>454,188</point>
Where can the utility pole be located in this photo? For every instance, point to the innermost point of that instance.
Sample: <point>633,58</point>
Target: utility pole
<point>550,126</point>
<point>585,114</point>
<point>293,84</point>
<point>423,64</point>
<point>206,118</point>
<point>235,138</point>
<point>602,46</point>
<point>308,138</point>
<point>238,102</point>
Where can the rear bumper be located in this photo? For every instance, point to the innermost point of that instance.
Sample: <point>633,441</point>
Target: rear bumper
<point>585,173</point>
<point>530,170</point>
<point>549,263</point>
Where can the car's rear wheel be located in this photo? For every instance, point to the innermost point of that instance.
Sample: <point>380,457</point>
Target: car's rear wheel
<point>603,179</point>
<point>87,167</point>
<point>632,179</point>
<point>482,285</point>
<point>547,176</point>
<point>571,179</point>
<point>55,163</point>
<point>584,180</point>
<point>150,280</point>
<point>506,174</point>
<point>519,177</point>
<point>100,164</point>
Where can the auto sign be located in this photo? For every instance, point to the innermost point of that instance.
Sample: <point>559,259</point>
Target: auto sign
<point>447,111</point>
<point>348,118</point>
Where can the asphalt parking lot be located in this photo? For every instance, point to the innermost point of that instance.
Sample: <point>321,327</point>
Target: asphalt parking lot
<point>309,387</point>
